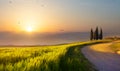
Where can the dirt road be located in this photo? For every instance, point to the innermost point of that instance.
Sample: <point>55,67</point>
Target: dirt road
<point>102,57</point>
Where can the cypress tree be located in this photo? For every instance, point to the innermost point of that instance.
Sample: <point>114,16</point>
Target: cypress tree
<point>91,34</point>
<point>96,33</point>
<point>101,34</point>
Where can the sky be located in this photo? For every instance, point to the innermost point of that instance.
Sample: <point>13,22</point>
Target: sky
<point>56,16</point>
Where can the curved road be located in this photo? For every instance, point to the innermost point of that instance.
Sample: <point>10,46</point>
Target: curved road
<point>102,57</point>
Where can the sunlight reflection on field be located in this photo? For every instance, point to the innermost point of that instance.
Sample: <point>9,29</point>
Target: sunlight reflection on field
<point>105,47</point>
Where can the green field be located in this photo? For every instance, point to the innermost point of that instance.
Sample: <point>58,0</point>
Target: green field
<point>66,57</point>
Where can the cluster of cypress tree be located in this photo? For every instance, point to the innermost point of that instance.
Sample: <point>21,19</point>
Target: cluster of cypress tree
<point>95,35</point>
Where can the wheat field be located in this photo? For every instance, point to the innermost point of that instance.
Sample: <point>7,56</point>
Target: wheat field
<point>66,57</point>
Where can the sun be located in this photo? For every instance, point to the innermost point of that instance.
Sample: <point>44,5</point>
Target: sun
<point>29,29</point>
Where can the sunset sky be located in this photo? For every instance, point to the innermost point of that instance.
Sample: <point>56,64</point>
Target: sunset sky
<point>57,15</point>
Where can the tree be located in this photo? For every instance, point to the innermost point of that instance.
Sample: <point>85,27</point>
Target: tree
<point>96,33</point>
<point>101,34</point>
<point>91,34</point>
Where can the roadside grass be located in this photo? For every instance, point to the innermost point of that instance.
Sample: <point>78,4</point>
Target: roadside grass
<point>66,57</point>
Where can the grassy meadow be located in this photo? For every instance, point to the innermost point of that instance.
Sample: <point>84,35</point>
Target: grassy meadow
<point>66,57</point>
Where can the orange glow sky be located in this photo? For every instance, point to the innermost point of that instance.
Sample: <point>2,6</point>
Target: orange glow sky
<point>57,15</point>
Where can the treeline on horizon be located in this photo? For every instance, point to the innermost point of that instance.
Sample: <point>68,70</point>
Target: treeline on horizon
<point>97,34</point>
